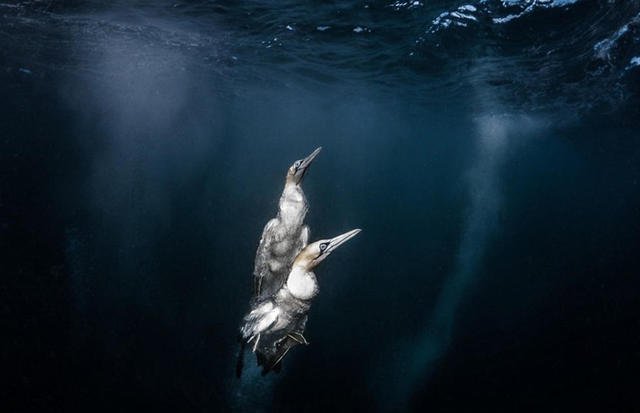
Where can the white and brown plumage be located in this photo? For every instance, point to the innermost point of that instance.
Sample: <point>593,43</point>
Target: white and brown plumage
<point>276,323</point>
<point>285,235</point>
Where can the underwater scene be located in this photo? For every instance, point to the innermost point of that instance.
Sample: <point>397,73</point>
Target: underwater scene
<point>174,175</point>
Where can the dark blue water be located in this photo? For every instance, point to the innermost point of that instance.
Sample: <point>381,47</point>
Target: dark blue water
<point>489,150</point>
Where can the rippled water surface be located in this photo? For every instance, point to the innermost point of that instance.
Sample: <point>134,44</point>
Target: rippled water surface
<point>488,149</point>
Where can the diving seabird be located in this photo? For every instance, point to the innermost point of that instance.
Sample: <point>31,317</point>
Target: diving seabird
<point>276,323</point>
<point>285,235</point>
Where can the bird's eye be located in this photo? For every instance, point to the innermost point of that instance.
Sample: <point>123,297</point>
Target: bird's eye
<point>297,164</point>
<point>323,247</point>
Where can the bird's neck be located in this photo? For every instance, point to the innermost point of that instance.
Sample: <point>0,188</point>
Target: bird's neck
<point>293,206</point>
<point>291,188</point>
<point>302,283</point>
<point>291,178</point>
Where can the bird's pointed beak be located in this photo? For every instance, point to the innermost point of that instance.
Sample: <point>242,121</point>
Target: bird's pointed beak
<point>307,161</point>
<point>341,239</point>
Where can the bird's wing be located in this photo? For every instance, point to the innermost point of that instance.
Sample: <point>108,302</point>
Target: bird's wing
<point>263,315</point>
<point>299,244</point>
<point>261,268</point>
<point>305,233</point>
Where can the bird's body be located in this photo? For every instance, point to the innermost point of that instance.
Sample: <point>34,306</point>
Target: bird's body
<point>278,315</point>
<point>285,235</point>
<point>276,323</point>
<point>282,239</point>
<point>281,311</point>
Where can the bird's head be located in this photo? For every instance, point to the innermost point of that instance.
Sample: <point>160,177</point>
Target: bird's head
<point>317,251</point>
<point>299,168</point>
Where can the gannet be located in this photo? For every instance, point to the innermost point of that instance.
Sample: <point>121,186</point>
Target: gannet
<point>285,235</point>
<point>275,324</point>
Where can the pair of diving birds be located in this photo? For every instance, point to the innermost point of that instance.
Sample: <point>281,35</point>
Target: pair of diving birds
<point>284,282</point>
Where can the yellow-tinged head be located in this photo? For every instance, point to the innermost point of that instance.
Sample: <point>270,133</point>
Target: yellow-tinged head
<point>317,251</point>
<point>299,168</point>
